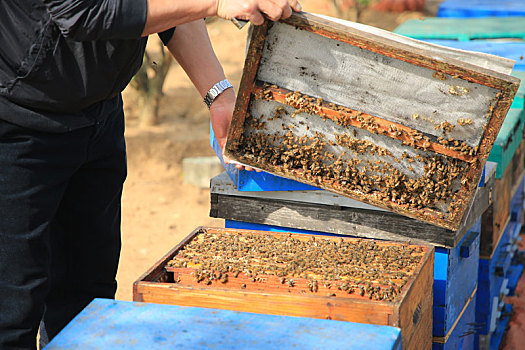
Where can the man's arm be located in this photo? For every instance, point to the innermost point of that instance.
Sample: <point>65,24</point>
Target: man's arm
<point>165,14</point>
<point>83,20</point>
<point>191,47</point>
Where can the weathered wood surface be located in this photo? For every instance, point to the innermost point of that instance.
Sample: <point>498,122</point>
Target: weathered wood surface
<point>367,82</point>
<point>325,212</point>
<point>123,325</point>
<point>411,311</point>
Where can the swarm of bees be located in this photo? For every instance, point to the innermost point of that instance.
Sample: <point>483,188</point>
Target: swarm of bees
<point>336,267</point>
<point>361,167</point>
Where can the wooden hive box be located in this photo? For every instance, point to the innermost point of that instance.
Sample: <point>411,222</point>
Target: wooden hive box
<point>453,289</point>
<point>371,115</point>
<point>323,211</point>
<point>266,275</point>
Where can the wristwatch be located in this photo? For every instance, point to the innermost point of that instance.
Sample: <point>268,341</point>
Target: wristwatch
<point>216,90</point>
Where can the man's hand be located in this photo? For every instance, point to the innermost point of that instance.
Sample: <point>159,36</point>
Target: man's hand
<point>256,10</point>
<point>221,113</point>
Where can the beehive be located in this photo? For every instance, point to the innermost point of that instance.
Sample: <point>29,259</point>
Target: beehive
<point>325,277</point>
<point>383,120</point>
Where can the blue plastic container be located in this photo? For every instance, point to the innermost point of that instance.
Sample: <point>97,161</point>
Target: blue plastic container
<point>481,8</point>
<point>109,324</point>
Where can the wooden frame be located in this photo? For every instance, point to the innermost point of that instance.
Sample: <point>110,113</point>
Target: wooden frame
<point>411,310</point>
<point>471,158</point>
<point>338,215</point>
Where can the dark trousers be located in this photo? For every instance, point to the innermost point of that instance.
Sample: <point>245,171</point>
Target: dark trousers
<point>59,225</point>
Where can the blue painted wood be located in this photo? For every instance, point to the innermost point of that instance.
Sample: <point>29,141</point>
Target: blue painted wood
<point>453,280</point>
<point>271,228</point>
<point>481,8</point>
<point>468,246</point>
<point>493,278</point>
<point>512,50</point>
<point>109,324</point>
<point>463,335</point>
<point>257,181</point>
<point>497,337</point>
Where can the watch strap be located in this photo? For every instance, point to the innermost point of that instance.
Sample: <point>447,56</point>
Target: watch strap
<point>216,90</point>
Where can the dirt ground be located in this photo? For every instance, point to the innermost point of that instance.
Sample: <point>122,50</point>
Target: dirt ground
<point>158,208</point>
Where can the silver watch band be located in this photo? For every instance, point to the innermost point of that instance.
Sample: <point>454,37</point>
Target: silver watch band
<point>216,90</point>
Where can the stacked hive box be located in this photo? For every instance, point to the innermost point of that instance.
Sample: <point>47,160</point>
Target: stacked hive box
<point>318,211</point>
<point>346,279</point>
<point>502,222</point>
<point>454,289</point>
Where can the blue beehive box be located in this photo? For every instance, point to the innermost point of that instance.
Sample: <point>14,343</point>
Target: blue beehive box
<point>481,8</point>
<point>462,335</point>
<point>109,324</point>
<point>493,280</point>
<point>497,336</point>
<point>453,282</point>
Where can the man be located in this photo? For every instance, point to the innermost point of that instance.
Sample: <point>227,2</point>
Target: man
<point>63,64</point>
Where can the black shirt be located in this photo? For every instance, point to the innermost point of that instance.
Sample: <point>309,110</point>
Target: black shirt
<point>63,61</point>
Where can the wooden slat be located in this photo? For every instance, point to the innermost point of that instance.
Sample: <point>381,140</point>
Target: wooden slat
<point>330,308</point>
<point>401,51</point>
<point>251,64</point>
<point>346,220</point>
<point>383,127</point>
<point>415,311</point>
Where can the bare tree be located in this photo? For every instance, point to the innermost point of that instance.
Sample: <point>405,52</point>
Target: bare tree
<point>149,83</point>
<point>345,8</point>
